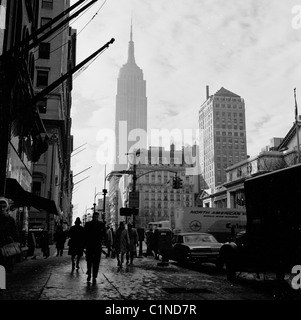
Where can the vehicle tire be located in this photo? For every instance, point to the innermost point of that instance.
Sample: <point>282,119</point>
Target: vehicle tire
<point>280,274</point>
<point>230,271</point>
<point>219,264</point>
<point>183,261</point>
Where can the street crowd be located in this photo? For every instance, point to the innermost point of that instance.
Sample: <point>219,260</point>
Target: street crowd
<point>88,240</point>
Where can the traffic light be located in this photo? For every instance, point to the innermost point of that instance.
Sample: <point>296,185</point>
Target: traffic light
<point>175,183</point>
<point>180,183</point>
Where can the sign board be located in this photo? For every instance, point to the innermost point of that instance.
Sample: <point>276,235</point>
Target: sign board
<point>134,199</point>
<point>128,211</point>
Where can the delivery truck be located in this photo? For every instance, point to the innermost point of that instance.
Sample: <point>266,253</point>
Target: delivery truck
<point>222,223</point>
<point>272,240</point>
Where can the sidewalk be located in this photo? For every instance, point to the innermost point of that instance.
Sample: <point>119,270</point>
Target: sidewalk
<point>38,252</point>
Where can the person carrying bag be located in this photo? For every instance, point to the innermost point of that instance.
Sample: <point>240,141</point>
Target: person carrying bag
<point>10,249</point>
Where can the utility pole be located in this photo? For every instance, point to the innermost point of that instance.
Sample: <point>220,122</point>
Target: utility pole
<point>105,191</point>
<point>94,204</point>
<point>136,154</point>
<point>297,126</point>
<point>134,187</point>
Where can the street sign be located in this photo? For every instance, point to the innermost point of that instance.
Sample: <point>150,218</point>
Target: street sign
<point>128,211</point>
<point>134,199</point>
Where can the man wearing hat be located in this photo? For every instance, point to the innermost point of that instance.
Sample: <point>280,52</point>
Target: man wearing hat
<point>76,243</point>
<point>95,234</point>
<point>8,232</point>
<point>8,228</point>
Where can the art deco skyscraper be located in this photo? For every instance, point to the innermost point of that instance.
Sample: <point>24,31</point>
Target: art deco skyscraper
<point>131,109</point>
<point>222,127</point>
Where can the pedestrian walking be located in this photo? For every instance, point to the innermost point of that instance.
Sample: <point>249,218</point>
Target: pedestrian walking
<point>122,243</point>
<point>60,239</point>
<point>133,236</point>
<point>155,244</point>
<point>150,242</point>
<point>44,243</point>
<point>113,254</point>
<point>94,235</point>
<point>9,234</point>
<point>76,243</point>
<point>8,227</point>
<point>109,241</point>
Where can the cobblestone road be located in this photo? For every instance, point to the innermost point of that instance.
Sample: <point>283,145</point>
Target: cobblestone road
<point>51,279</point>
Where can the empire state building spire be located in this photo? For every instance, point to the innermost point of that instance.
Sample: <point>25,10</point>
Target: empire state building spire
<point>131,109</point>
<point>131,57</point>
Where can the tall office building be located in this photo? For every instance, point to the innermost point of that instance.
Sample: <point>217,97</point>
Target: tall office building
<point>222,136</point>
<point>131,109</point>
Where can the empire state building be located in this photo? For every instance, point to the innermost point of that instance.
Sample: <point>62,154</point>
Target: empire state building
<point>131,109</point>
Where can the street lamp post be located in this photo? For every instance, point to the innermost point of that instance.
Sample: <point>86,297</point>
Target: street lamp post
<point>104,191</point>
<point>136,154</point>
<point>94,204</point>
<point>297,127</point>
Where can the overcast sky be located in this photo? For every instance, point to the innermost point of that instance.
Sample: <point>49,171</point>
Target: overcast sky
<point>249,47</point>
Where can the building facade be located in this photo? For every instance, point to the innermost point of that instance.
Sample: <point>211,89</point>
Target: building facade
<point>155,170</point>
<point>35,138</point>
<point>282,153</point>
<point>52,176</point>
<point>222,136</point>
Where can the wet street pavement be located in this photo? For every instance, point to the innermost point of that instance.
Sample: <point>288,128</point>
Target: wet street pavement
<point>145,280</point>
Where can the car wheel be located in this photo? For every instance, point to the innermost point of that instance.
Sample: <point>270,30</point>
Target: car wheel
<point>183,261</point>
<point>219,264</point>
<point>230,271</point>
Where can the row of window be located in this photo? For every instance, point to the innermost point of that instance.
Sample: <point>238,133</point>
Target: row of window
<point>230,127</point>
<point>44,53</point>
<point>227,99</point>
<point>172,198</point>
<point>234,106</point>
<point>224,133</point>
<point>229,140</point>
<point>230,114</point>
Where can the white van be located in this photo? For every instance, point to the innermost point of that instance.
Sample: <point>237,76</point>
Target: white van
<point>159,224</point>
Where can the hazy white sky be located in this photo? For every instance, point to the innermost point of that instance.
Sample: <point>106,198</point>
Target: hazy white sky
<point>249,47</point>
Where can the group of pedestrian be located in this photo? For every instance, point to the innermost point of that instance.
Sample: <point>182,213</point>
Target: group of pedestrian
<point>90,239</point>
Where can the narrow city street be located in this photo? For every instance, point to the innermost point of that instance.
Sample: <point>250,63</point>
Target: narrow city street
<point>52,279</point>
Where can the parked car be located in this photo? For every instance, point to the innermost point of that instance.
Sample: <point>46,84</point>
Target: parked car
<point>195,247</point>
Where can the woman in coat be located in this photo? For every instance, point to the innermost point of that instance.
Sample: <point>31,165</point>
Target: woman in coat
<point>122,243</point>
<point>60,239</point>
<point>133,235</point>
<point>76,243</point>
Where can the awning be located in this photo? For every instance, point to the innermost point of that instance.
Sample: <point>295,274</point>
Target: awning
<point>15,192</point>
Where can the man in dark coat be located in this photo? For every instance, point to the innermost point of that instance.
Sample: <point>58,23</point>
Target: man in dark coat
<point>44,243</point>
<point>76,243</point>
<point>8,232</point>
<point>8,228</point>
<point>60,239</point>
<point>94,235</point>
